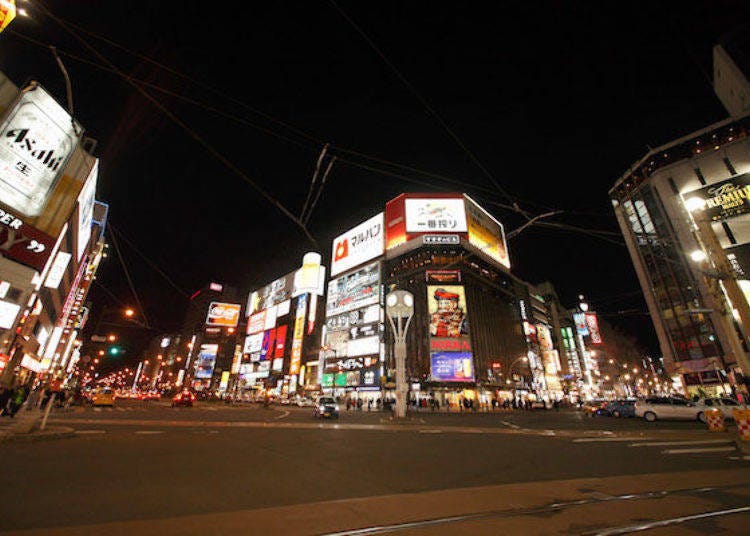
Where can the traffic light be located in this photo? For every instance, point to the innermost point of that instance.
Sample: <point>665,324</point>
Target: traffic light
<point>114,350</point>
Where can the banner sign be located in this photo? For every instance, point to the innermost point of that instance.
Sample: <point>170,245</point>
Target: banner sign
<point>223,314</point>
<point>486,233</point>
<point>206,360</point>
<point>440,240</point>
<point>299,329</point>
<point>445,215</point>
<point>23,243</point>
<point>442,276</point>
<point>270,295</point>
<point>452,367</point>
<point>358,245</point>
<point>725,199</point>
<point>580,321</point>
<point>593,325</point>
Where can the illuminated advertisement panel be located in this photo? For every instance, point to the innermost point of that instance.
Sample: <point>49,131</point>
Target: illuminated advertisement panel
<point>206,360</point>
<point>8,313</point>
<point>593,325</point>
<point>544,337</point>
<point>223,314</point>
<point>253,343</point>
<point>270,295</point>
<point>36,139</point>
<point>57,270</point>
<point>581,326</point>
<point>256,323</point>
<point>452,367</point>
<point>344,321</point>
<point>441,215</point>
<point>486,233</point>
<point>354,291</point>
<point>299,329</point>
<point>24,243</point>
<point>358,245</point>
<point>447,309</point>
<point>725,199</point>
<point>280,342</point>
<point>86,209</point>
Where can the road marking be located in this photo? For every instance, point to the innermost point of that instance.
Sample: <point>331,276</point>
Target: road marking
<point>697,451</point>
<point>89,432</point>
<point>506,423</point>
<point>430,431</point>
<point>149,432</point>
<point>673,521</point>
<point>669,443</point>
<point>286,413</point>
<point>606,439</point>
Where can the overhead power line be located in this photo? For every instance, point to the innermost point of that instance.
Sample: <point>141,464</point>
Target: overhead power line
<point>422,100</point>
<point>190,131</point>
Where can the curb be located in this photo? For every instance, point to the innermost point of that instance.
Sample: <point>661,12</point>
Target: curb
<point>58,432</point>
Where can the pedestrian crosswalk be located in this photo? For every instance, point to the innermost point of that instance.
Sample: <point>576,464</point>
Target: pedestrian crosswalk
<point>720,446</point>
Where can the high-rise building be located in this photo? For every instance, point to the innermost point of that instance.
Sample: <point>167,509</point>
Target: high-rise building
<point>684,212</point>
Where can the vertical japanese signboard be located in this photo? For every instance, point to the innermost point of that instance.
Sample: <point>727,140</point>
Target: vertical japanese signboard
<point>450,346</point>
<point>299,330</point>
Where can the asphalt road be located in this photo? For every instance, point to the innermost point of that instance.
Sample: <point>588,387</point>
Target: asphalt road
<point>151,463</point>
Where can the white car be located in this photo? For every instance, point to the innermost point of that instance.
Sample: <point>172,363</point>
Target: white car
<point>725,405</point>
<point>305,402</point>
<point>665,408</point>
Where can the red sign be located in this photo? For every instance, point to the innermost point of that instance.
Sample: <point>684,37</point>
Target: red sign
<point>449,345</point>
<point>280,341</point>
<point>395,218</point>
<point>593,325</point>
<point>23,243</point>
<point>341,250</point>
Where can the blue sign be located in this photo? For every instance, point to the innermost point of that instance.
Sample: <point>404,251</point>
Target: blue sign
<point>452,366</point>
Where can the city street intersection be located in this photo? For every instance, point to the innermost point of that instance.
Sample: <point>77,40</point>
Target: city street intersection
<point>148,468</point>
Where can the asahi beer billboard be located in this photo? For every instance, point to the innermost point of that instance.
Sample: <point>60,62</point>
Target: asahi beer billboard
<point>36,139</point>
<point>726,199</point>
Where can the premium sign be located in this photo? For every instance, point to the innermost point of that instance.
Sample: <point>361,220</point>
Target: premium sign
<point>23,243</point>
<point>358,245</point>
<point>36,140</point>
<point>726,199</point>
<point>486,233</point>
<point>223,314</point>
<point>354,291</point>
<point>86,209</point>
<point>435,215</point>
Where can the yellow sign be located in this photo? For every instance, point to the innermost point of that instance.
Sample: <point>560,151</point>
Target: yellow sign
<point>486,233</point>
<point>7,13</point>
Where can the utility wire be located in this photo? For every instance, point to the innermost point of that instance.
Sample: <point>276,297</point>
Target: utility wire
<point>468,186</point>
<point>313,181</point>
<point>320,190</point>
<point>197,137</point>
<point>422,100</point>
<point>127,276</point>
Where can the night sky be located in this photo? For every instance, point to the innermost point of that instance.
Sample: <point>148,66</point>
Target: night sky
<point>555,100</point>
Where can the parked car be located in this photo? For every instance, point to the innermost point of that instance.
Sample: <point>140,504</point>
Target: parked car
<point>326,406</point>
<point>725,405</point>
<point>656,408</point>
<point>620,408</point>
<point>183,398</point>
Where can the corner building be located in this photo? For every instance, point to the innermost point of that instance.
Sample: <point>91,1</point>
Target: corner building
<point>466,338</point>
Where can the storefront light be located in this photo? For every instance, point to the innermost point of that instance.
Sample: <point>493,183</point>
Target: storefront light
<point>698,255</point>
<point>694,203</point>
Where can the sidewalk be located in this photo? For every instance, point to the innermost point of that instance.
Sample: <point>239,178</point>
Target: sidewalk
<point>25,427</point>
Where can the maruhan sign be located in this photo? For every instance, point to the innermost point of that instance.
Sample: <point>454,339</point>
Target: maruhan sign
<point>358,245</point>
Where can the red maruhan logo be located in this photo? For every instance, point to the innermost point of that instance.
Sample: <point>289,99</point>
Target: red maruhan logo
<point>342,250</point>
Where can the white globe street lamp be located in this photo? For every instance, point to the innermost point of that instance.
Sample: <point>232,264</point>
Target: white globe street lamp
<point>399,307</point>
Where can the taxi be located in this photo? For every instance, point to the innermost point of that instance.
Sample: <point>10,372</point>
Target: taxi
<point>103,397</point>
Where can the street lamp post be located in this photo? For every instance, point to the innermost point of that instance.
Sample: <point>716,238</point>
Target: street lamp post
<point>399,306</point>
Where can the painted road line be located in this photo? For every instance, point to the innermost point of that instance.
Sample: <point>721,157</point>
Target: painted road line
<point>675,443</point>
<point>285,414</point>
<point>673,521</point>
<point>430,431</point>
<point>510,424</point>
<point>607,439</point>
<point>90,432</point>
<point>149,432</point>
<point>698,451</point>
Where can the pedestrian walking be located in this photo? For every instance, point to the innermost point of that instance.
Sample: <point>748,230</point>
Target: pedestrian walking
<point>17,400</point>
<point>369,405</point>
